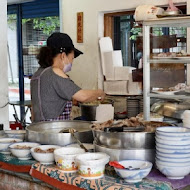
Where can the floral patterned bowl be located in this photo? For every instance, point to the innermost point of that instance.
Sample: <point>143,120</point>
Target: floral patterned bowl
<point>134,171</point>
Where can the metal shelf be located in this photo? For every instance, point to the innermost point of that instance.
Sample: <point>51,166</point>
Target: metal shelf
<point>183,21</point>
<point>161,96</point>
<point>172,60</point>
<point>171,21</point>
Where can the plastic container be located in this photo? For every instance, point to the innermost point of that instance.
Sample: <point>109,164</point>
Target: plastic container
<point>92,165</point>
<point>65,158</point>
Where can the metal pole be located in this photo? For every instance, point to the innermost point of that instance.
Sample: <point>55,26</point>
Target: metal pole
<point>20,60</point>
<point>146,72</point>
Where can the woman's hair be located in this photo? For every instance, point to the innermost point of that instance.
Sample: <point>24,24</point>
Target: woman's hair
<point>46,55</point>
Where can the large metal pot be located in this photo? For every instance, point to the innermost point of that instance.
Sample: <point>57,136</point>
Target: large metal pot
<point>88,111</point>
<point>48,132</point>
<point>127,140</point>
<point>124,154</point>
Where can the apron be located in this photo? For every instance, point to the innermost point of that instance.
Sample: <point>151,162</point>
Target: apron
<point>67,110</point>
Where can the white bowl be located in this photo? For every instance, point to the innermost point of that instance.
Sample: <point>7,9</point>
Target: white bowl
<point>173,147</point>
<point>173,131</point>
<point>5,142</point>
<point>171,138</point>
<point>92,165</point>
<point>173,151</point>
<point>88,146</point>
<point>169,163</point>
<point>170,159</point>
<point>22,149</point>
<point>172,142</point>
<point>19,134</point>
<point>65,158</point>
<point>173,155</point>
<point>134,175</point>
<point>173,172</point>
<point>44,158</point>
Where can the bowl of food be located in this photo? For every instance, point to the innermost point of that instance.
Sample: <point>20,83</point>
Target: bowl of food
<point>5,142</point>
<point>92,165</point>
<point>44,153</point>
<point>65,158</point>
<point>22,149</point>
<point>134,171</point>
<point>19,134</point>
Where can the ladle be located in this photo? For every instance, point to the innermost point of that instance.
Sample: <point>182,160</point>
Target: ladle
<point>72,131</point>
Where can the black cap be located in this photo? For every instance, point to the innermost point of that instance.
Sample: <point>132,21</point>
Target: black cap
<point>60,41</point>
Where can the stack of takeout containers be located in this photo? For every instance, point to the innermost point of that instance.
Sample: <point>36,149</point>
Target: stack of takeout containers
<point>173,151</point>
<point>186,118</point>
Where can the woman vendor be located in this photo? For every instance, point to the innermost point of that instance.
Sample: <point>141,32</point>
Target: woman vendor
<point>52,90</point>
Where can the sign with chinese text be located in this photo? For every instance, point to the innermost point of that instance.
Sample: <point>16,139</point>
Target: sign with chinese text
<point>80,27</point>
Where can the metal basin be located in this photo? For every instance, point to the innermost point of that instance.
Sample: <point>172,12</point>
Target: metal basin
<point>48,132</point>
<point>124,154</point>
<point>125,140</point>
<point>88,111</point>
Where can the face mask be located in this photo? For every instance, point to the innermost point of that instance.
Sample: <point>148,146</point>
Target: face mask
<point>67,67</point>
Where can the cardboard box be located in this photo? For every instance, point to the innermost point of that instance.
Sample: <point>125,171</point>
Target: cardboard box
<point>122,87</point>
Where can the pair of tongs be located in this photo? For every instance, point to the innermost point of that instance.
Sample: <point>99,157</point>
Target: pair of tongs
<point>72,131</point>
<point>124,128</point>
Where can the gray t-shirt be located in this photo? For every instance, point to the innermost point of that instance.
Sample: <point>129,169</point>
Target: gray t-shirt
<point>54,92</point>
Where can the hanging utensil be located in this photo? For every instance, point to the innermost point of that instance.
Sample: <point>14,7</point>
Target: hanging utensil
<point>72,131</point>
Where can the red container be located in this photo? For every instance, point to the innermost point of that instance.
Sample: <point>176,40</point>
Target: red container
<point>15,125</point>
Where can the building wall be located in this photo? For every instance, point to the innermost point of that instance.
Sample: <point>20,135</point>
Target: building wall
<point>86,69</point>
<point>3,65</point>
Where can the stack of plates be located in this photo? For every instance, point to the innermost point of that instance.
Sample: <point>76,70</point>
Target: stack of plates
<point>134,106</point>
<point>186,118</point>
<point>173,151</point>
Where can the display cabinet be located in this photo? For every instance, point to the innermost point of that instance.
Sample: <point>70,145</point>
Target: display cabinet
<point>183,21</point>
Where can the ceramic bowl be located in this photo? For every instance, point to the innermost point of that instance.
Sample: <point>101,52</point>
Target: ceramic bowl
<point>88,146</point>
<point>170,159</point>
<point>173,147</point>
<point>22,150</point>
<point>173,131</point>
<point>5,142</point>
<point>44,157</point>
<point>174,164</point>
<point>173,172</point>
<point>19,134</point>
<point>65,158</point>
<point>92,165</point>
<point>172,151</point>
<point>172,142</point>
<point>140,169</point>
<point>171,138</point>
<point>173,155</point>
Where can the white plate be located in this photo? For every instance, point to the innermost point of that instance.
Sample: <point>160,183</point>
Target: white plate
<point>180,57</point>
<point>164,92</point>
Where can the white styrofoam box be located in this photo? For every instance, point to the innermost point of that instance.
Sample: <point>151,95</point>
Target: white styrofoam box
<point>135,88</point>
<point>104,112</point>
<point>122,73</point>
<point>116,87</point>
<point>105,46</point>
<point>113,58</point>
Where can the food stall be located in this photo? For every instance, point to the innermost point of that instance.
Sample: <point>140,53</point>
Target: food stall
<point>76,154</point>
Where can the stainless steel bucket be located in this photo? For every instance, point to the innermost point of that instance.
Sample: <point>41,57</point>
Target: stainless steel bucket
<point>48,132</point>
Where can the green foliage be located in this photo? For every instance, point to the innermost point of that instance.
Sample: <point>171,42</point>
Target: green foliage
<point>134,33</point>
<point>46,24</point>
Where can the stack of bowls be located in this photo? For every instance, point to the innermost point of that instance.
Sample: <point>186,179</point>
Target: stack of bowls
<point>173,151</point>
<point>186,118</point>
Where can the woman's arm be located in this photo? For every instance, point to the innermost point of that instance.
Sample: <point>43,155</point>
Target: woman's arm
<point>89,95</point>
